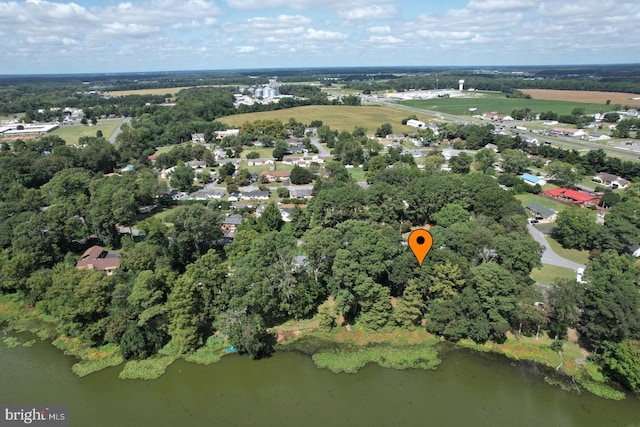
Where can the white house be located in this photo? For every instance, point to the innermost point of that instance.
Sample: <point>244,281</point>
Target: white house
<point>611,180</point>
<point>416,124</point>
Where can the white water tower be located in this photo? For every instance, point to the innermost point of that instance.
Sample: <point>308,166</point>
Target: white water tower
<point>460,85</point>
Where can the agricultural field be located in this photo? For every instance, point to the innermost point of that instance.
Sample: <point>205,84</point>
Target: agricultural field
<point>172,91</point>
<point>498,102</point>
<point>72,134</point>
<point>340,117</point>
<point>584,96</point>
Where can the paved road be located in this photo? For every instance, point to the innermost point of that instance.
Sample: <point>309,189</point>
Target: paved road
<point>119,130</point>
<point>322,151</point>
<point>549,256</point>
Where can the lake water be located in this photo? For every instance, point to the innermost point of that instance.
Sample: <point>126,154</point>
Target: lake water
<point>467,389</point>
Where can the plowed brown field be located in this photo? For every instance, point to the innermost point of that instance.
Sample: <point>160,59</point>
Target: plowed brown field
<point>584,96</point>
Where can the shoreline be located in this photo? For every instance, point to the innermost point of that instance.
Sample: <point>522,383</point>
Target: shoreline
<point>339,350</point>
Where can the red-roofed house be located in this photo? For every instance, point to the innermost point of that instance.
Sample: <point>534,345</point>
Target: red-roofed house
<point>96,258</point>
<point>576,197</point>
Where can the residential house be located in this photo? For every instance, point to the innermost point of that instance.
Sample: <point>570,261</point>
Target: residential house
<point>496,117</point>
<point>254,195</point>
<point>233,197</point>
<point>611,180</point>
<point>493,147</point>
<point>575,197</point>
<point>208,194</point>
<point>300,193</point>
<point>416,124</point>
<point>196,164</point>
<point>220,134</point>
<point>197,137</point>
<point>285,214</point>
<point>97,258</point>
<point>533,180</point>
<point>541,213</point>
<point>273,176</point>
<point>260,162</point>
<point>232,220</point>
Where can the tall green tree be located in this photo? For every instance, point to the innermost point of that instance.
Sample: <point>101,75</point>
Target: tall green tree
<point>409,309</point>
<point>182,178</point>
<point>515,161</point>
<point>611,310</point>
<point>271,219</point>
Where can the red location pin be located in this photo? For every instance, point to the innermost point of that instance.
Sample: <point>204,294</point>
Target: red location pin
<point>420,242</point>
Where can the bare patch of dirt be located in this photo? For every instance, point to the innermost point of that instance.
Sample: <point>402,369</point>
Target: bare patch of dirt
<point>584,96</point>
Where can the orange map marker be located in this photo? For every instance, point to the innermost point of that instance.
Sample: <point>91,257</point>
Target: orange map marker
<point>420,242</point>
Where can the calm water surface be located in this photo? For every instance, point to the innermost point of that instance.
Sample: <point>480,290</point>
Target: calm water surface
<point>288,390</point>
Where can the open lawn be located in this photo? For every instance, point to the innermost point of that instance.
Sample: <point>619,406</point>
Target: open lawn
<point>340,117</point>
<point>358,174</point>
<point>550,273</point>
<point>72,134</point>
<point>498,102</point>
<point>584,96</point>
<point>547,203</point>
<point>581,257</point>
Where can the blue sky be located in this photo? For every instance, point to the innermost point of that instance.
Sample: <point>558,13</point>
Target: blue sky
<point>42,36</point>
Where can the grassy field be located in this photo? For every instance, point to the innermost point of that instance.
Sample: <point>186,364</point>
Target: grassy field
<point>549,273</point>
<point>547,203</point>
<point>358,174</point>
<point>72,134</point>
<point>581,257</point>
<point>340,117</point>
<point>488,101</point>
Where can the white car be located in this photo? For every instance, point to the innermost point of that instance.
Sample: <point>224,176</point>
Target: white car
<point>579,274</point>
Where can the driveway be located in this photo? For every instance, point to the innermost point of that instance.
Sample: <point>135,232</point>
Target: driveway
<point>119,130</point>
<point>549,256</point>
<point>322,151</point>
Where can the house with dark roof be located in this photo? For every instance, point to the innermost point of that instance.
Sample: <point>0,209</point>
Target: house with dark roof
<point>97,258</point>
<point>611,180</point>
<point>541,213</point>
<point>300,193</point>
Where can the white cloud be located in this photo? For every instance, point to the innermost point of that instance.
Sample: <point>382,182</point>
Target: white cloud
<point>312,34</point>
<point>374,11</point>
<point>121,29</point>
<point>501,5</point>
<point>380,30</point>
<point>385,40</point>
<point>246,49</point>
<point>274,27</point>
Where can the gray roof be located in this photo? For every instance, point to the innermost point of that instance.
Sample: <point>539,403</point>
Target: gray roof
<point>540,210</point>
<point>234,219</point>
<point>300,192</point>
